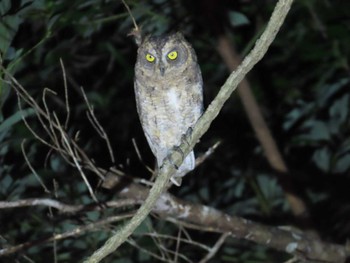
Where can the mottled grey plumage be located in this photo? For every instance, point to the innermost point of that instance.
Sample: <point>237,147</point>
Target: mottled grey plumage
<point>169,94</point>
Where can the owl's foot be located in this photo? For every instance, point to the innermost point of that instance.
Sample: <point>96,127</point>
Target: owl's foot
<point>179,150</point>
<point>188,135</point>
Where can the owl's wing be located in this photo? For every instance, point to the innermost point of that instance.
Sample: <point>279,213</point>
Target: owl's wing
<point>147,111</point>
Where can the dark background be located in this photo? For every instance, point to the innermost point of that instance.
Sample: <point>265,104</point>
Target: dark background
<point>302,86</point>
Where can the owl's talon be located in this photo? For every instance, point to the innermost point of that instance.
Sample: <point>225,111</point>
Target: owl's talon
<point>179,150</point>
<point>168,157</point>
<point>188,134</point>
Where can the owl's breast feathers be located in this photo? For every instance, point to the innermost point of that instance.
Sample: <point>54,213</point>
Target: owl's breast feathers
<point>168,108</point>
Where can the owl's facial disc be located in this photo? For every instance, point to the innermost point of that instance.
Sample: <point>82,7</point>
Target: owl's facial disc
<point>165,56</point>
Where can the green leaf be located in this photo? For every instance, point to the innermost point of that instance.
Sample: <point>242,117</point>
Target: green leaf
<point>8,26</point>
<point>317,197</point>
<point>302,110</point>
<point>318,131</point>
<point>6,182</point>
<point>340,109</point>
<point>93,215</point>
<point>342,164</point>
<point>238,19</point>
<point>144,228</point>
<point>12,120</point>
<point>322,159</point>
<point>327,91</point>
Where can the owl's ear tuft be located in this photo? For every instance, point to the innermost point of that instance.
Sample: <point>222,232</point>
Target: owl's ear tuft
<point>146,38</point>
<point>179,35</point>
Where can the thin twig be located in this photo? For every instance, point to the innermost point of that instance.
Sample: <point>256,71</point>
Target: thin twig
<point>161,258</point>
<point>136,32</point>
<point>207,154</point>
<point>29,127</point>
<point>50,132</point>
<point>139,155</point>
<point>57,146</point>
<point>62,144</point>
<point>160,245</point>
<point>152,254</point>
<point>75,232</point>
<point>215,248</point>
<point>88,164</point>
<point>75,159</point>
<point>183,240</point>
<point>130,14</point>
<point>65,93</point>
<point>32,169</point>
<point>177,248</point>
<point>98,127</point>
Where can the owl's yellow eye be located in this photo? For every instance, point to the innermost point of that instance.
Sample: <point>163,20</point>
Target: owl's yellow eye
<point>172,55</point>
<point>150,58</point>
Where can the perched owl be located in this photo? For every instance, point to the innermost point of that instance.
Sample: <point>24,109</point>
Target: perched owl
<point>169,95</point>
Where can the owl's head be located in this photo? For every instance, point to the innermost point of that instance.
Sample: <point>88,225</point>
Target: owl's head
<point>163,55</point>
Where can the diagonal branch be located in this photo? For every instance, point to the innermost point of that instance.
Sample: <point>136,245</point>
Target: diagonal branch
<point>215,248</point>
<point>203,124</point>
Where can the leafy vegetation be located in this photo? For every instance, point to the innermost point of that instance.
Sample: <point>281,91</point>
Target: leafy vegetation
<point>302,86</point>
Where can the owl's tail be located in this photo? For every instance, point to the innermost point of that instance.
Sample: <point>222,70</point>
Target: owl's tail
<point>187,166</point>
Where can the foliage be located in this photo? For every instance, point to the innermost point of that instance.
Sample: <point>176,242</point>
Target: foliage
<point>302,86</point>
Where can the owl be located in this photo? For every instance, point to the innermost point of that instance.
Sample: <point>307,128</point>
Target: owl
<point>169,95</point>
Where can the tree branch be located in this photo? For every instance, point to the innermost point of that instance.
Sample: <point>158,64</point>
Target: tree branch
<point>201,217</point>
<point>203,124</point>
<point>65,208</point>
<point>191,215</point>
<point>215,248</point>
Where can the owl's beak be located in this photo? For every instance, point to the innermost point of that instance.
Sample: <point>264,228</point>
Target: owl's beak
<point>162,70</point>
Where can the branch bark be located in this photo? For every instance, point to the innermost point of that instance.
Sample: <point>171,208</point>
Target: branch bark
<point>261,46</point>
<point>62,207</point>
<point>196,216</point>
<point>304,246</point>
